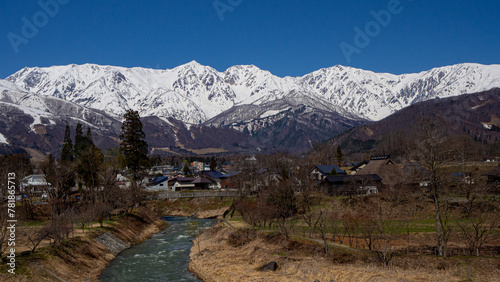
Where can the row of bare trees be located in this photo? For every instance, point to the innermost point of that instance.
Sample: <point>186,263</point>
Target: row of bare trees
<point>463,209</point>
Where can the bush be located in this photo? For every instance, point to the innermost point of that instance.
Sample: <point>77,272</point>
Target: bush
<point>241,237</point>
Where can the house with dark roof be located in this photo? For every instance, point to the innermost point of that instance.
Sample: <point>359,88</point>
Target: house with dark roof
<point>202,183</point>
<point>319,172</point>
<point>158,184</point>
<point>396,174</point>
<point>352,184</point>
<point>214,176</point>
<point>35,183</point>
<point>384,167</point>
<point>190,183</point>
<point>181,183</point>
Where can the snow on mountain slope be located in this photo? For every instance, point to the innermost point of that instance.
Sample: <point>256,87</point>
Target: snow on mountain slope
<point>3,140</point>
<point>190,92</point>
<point>49,108</point>
<point>195,93</point>
<point>29,120</point>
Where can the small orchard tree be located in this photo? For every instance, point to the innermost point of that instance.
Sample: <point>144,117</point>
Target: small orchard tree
<point>133,146</point>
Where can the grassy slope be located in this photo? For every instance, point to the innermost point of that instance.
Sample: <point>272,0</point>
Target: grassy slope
<point>81,258</point>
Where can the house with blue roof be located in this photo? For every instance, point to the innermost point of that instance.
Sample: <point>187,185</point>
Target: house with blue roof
<point>320,172</point>
<point>158,184</point>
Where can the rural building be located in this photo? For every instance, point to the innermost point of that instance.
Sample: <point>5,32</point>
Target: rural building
<point>158,184</point>
<point>35,183</point>
<point>352,184</point>
<point>319,172</point>
<point>190,183</point>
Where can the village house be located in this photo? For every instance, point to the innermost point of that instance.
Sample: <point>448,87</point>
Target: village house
<point>215,177</point>
<point>202,183</point>
<point>392,174</point>
<point>36,184</point>
<point>181,183</point>
<point>320,172</point>
<point>337,185</point>
<point>190,183</point>
<point>385,168</point>
<point>158,184</point>
<point>198,166</point>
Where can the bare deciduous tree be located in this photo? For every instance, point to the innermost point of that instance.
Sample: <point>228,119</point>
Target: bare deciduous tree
<point>476,226</point>
<point>435,152</point>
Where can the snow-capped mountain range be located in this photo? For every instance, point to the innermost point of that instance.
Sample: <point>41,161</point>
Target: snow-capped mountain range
<point>195,93</point>
<point>288,111</point>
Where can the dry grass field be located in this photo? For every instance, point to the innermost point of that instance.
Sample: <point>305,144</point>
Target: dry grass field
<point>228,254</point>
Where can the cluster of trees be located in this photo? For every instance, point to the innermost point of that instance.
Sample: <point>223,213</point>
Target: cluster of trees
<point>83,183</point>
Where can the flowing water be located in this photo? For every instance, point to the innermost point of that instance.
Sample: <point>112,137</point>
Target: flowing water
<point>164,257</point>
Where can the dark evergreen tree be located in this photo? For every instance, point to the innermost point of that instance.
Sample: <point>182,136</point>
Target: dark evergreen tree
<point>133,147</point>
<point>213,164</point>
<point>88,136</point>
<point>78,132</point>
<point>78,140</point>
<point>186,170</point>
<point>89,163</point>
<point>82,142</point>
<point>339,155</point>
<point>67,150</point>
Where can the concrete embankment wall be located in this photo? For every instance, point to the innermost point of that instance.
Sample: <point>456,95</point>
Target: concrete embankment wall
<point>114,245</point>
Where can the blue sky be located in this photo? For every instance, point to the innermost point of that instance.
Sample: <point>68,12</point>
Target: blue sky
<point>291,37</point>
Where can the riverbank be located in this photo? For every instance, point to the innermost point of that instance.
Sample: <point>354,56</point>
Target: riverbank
<point>227,254</point>
<point>196,207</point>
<point>82,258</point>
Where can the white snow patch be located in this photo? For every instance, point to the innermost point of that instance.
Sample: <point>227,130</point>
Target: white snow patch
<point>3,139</point>
<point>84,122</point>
<point>167,121</point>
<point>272,113</point>
<point>487,126</point>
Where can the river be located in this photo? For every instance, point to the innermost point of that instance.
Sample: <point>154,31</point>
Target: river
<point>164,257</point>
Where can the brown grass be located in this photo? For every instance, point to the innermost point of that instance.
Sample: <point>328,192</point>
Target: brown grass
<point>223,258</point>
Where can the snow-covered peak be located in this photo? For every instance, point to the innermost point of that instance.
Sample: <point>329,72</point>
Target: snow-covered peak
<point>195,93</point>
